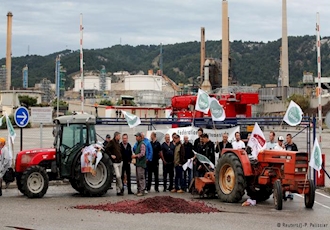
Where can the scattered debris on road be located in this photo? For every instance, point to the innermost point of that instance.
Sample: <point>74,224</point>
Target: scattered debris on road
<point>158,204</point>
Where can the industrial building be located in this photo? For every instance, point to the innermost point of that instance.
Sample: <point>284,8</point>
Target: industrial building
<point>143,82</point>
<point>92,84</point>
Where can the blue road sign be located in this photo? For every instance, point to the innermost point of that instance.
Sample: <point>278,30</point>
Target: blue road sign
<point>21,116</point>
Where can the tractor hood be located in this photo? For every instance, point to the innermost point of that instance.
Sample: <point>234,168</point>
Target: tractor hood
<point>29,157</point>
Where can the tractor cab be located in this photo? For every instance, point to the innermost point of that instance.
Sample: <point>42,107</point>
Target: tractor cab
<point>72,133</point>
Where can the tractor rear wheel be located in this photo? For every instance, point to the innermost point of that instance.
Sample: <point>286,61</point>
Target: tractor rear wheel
<point>278,195</point>
<point>98,185</point>
<point>229,179</point>
<point>310,196</point>
<point>34,182</point>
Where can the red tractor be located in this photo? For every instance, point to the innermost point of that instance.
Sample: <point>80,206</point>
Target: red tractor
<point>36,167</point>
<point>274,172</point>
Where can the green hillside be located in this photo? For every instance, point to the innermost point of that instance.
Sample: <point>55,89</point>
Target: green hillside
<point>253,62</point>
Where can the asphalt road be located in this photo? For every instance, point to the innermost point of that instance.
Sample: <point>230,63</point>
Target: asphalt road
<point>54,211</point>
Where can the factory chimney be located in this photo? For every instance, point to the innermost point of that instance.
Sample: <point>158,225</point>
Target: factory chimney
<point>202,51</point>
<point>8,52</point>
<point>285,55</point>
<point>225,44</point>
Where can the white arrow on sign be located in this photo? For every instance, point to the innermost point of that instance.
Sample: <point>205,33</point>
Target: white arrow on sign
<point>22,116</point>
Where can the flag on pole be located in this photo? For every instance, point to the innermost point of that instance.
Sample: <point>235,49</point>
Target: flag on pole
<point>203,159</point>
<point>257,140</point>
<point>293,115</point>
<point>316,157</point>
<point>1,120</point>
<point>202,102</point>
<point>131,119</point>
<point>11,130</point>
<point>217,111</point>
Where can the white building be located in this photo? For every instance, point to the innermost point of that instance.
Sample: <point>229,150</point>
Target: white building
<point>91,82</point>
<point>143,82</point>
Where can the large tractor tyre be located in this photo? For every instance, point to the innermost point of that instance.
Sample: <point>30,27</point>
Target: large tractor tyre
<point>19,182</point>
<point>75,185</point>
<point>98,185</point>
<point>261,194</point>
<point>310,196</point>
<point>229,179</point>
<point>278,195</point>
<point>35,182</point>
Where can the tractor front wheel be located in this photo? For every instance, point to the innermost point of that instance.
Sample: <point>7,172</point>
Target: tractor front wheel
<point>19,182</point>
<point>35,182</point>
<point>278,195</point>
<point>310,196</point>
<point>229,178</point>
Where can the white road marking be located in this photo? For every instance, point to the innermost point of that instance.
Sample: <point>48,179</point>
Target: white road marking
<point>324,206</point>
<point>322,194</point>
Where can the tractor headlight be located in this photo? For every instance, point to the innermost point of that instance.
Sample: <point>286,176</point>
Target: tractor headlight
<point>304,169</point>
<point>25,159</point>
<point>296,169</point>
<point>288,157</point>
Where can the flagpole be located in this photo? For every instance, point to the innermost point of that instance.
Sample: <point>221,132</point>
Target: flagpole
<point>318,44</point>
<point>216,137</point>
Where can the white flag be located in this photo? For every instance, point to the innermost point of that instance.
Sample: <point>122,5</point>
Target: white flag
<point>316,157</point>
<point>293,115</point>
<point>257,140</point>
<point>202,102</point>
<point>1,120</point>
<point>131,119</point>
<point>11,130</point>
<point>217,111</point>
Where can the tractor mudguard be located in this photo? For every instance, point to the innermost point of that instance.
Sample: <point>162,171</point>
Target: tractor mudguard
<point>31,157</point>
<point>244,159</point>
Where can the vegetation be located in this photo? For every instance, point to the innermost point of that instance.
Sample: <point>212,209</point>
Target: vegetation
<point>302,101</point>
<point>105,102</point>
<point>27,101</point>
<point>252,62</point>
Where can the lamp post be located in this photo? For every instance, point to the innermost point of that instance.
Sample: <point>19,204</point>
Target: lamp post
<point>96,111</point>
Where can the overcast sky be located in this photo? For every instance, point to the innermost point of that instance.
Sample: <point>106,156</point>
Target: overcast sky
<point>52,25</point>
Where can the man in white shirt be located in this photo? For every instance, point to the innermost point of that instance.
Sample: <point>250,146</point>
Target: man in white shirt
<point>5,160</point>
<point>280,145</point>
<point>238,143</point>
<point>271,143</point>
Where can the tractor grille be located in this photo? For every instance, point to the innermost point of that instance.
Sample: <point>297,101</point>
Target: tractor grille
<point>301,163</point>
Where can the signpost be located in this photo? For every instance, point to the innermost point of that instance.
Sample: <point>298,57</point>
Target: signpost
<point>41,115</point>
<point>21,118</point>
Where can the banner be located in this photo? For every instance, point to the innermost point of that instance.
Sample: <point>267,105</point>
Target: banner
<point>191,132</point>
<point>257,140</point>
<point>11,130</point>
<point>217,112</point>
<point>293,115</point>
<point>131,119</point>
<point>316,157</point>
<point>90,157</point>
<point>202,102</point>
<point>203,159</point>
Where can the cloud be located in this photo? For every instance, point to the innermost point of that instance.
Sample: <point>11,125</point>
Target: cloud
<point>53,25</point>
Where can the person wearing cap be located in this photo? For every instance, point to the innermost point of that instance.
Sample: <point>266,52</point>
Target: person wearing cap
<point>280,145</point>
<point>107,140</point>
<point>141,164</point>
<point>114,151</point>
<point>272,142</point>
<point>5,160</point>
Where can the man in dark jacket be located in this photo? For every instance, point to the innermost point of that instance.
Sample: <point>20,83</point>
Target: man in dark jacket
<point>126,152</point>
<point>107,140</point>
<point>224,144</point>
<point>114,151</point>
<point>167,156</point>
<point>153,165</point>
<point>198,143</point>
<point>188,147</point>
<point>179,160</point>
<point>208,151</point>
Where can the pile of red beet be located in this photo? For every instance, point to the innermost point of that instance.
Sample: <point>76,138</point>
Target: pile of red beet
<point>160,204</point>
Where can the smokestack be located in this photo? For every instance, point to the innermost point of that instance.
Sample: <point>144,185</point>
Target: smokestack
<point>206,85</point>
<point>225,44</point>
<point>202,50</point>
<point>285,55</point>
<point>8,52</point>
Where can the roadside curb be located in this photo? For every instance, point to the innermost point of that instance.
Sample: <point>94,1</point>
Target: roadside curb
<point>51,183</point>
